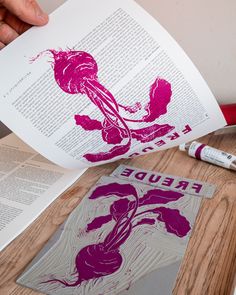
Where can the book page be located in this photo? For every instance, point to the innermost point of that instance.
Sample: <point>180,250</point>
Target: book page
<point>102,81</point>
<point>28,184</point>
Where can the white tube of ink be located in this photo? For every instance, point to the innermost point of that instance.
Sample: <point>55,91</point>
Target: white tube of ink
<point>209,154</point>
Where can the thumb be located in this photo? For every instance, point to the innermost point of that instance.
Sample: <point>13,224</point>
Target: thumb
<point>26,10</point>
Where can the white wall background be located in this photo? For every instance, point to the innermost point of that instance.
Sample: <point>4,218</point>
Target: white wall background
<point>205,29</point>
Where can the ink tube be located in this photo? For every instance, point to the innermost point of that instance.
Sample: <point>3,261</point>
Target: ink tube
<point>208,154</point>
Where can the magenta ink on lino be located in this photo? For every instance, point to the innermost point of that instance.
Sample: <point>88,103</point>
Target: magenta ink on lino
<point>209,154</point>
<point>103,258</point>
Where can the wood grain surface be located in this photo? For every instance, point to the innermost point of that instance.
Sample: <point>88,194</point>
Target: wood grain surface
<point>209,265</point>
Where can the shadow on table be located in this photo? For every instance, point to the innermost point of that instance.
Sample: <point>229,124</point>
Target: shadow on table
<point>4,130</point>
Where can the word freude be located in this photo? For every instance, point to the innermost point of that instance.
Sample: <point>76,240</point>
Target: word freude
<point>176,183</point>
<point>161,142</point>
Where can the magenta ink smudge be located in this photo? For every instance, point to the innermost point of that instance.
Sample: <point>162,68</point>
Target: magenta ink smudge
<point>103,259</point>
<point>76,72</point>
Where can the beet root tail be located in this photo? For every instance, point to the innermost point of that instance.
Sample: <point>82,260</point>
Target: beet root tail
<point>63,282</point>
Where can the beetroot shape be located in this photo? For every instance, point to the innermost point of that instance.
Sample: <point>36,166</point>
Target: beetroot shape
<point>92,262</point>
<point>76,72</point>
<point>103,259</point>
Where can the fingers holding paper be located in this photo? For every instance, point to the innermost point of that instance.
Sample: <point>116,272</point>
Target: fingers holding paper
<point>16,16</point>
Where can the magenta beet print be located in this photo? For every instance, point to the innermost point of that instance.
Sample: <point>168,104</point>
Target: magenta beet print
<point>76,72</point>
<point>127,213</point>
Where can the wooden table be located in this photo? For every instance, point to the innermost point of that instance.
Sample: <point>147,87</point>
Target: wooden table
<point>209,265</point>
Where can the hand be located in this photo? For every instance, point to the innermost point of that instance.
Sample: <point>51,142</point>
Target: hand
<point>17,16</point>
